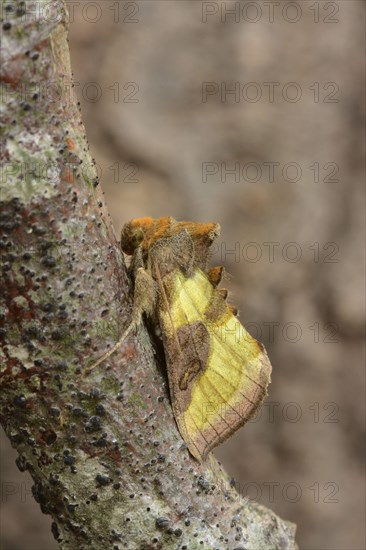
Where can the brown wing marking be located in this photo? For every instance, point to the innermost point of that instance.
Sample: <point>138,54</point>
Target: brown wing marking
<point>161,286</point>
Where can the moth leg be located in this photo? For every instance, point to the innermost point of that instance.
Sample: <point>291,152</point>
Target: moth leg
<point>145,296</point>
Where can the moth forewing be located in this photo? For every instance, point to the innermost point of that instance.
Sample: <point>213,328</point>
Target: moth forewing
<point>223,379</point>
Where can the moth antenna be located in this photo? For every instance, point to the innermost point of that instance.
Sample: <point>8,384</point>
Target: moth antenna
<point>115,347</point>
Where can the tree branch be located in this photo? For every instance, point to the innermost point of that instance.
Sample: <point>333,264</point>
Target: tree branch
<point>107,461</point>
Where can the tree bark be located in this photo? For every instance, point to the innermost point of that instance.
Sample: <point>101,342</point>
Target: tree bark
<point>103,449</point>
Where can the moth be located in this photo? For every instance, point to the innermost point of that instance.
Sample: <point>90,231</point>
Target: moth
<point>218,374</point>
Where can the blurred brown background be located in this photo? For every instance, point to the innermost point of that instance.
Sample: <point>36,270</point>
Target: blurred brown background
<point>154,81</point>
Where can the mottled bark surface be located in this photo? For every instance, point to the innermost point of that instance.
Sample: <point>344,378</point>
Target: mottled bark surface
<point>107,461</point>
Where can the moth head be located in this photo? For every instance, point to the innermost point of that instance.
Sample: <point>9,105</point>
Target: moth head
<point>131,239</point>
<point>134,233</point>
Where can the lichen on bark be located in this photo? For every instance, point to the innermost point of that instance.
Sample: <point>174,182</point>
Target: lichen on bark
<point>103,449</point>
